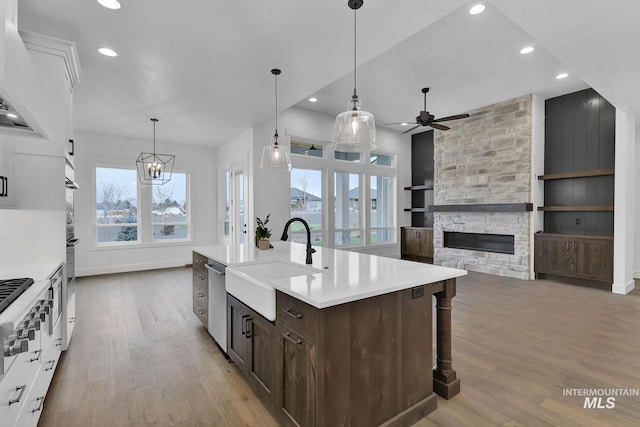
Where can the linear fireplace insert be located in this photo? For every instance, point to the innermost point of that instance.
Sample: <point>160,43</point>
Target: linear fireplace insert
<point>499,243</point>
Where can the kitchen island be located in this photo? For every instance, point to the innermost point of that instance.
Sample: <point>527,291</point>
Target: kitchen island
<point>350,339</point>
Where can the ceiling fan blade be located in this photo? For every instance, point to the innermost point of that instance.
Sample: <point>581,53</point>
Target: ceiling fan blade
<point>409,130</point>
<point>446,119</point>
<point>441,127</point>
<point>401,123</point>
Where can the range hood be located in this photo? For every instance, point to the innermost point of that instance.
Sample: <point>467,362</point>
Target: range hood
<point>20,86</point>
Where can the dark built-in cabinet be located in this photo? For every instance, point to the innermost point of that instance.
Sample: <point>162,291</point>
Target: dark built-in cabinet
<point>577,242</point>
<point>416,242</point>
<point>585,258</point>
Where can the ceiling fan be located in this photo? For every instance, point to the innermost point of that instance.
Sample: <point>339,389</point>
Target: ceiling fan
<point>426,119</point>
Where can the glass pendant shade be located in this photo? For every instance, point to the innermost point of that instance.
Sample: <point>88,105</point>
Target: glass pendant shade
<point>154,168</point>
<point>276,157</point>
<point>354,130</point>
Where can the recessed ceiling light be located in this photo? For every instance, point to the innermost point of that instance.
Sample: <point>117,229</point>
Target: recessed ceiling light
<point>110,4</point>
<point>527,49</point>
<point>562,76</point>
<point>12,116</point>
<point>107,52</point>
<point>476,9</point>
<point>404,124</point>
<point>312,99</point>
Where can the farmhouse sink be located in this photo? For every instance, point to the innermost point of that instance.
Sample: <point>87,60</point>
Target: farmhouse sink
<point>250,283</point>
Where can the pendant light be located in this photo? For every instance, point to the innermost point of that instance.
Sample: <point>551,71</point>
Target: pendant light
<point>153,168</point>
<point>275,156</point>
<point>355,129</point>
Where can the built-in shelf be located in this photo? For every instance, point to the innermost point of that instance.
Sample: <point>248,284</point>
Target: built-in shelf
<point>582,174</point>
<point>594,208</point>
<point>419,187</point>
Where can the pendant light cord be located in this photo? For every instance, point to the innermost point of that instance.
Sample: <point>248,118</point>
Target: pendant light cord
<point>276,134</point>
<point>355,52</point>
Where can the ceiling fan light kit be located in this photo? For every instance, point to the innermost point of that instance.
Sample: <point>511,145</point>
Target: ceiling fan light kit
<point>275,156</point>
<point>354,129</point>
<point>154,168</point>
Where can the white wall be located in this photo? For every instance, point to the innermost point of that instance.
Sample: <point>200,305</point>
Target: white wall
<point>104,150</point>
<point>636,270</point>
<point>625,217</point>
<point>271,192</point>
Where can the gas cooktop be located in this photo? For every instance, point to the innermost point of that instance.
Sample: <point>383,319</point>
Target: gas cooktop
<point>11,289</point>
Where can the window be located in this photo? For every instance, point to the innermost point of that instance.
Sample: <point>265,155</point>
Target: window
<point>170,209</point>
<point>227,203</point>
<point>306,203</point>
<point>116,204</point>
<point>348,199</point>
<point>381,218</point>
<point>306,148</point>
<point>347,209</point>
<point>349,157</point>
<point>128,213</point>
<point>381,159</point>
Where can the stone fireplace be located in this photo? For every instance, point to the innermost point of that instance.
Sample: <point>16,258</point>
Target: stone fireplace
<point>482,187</point>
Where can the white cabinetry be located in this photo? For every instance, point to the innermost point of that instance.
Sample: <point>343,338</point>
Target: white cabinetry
<point>7,183</point>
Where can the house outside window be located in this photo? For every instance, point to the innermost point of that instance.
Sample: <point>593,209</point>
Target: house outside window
<point>116,205</point>
<point>347,202</point>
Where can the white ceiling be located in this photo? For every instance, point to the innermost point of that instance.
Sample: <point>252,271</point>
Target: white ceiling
<point>202,67</point>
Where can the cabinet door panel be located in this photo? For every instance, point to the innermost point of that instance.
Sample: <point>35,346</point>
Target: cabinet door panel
<point>237,343</point>
<point>262,373</point>
<point>554,255</point>
<point>296,377</point>
<point>594,260</point>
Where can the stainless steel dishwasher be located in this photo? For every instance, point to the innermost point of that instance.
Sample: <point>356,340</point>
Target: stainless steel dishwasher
<point>217,303</point>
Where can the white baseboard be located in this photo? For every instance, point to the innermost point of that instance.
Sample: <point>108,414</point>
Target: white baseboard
<point>623,289</point>
<point>110,269</point>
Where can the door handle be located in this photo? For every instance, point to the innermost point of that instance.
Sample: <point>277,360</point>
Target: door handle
<point>5,186</point>
<point>73,147</point>
<point>243,319</point>
<point>17,399</point>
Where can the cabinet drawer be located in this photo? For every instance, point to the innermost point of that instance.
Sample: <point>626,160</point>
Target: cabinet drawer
<point>199,262</point>
<point>297,315</point>
<point>201,301</point>
<point>16,387</point>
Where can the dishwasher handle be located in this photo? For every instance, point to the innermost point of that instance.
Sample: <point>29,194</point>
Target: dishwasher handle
<point>216,268</point>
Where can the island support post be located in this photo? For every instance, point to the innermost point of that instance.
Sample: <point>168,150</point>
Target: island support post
<point>445,382</point>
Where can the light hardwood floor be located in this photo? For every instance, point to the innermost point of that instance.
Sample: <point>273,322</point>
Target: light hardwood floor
<point>139,356</point>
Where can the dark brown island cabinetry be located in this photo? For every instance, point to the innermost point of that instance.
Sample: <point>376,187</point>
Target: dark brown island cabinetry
<point>583,259</point>
<point>251,345</point>
<point>416,243</point>
<point>367,362</point>
<point>201,288</point>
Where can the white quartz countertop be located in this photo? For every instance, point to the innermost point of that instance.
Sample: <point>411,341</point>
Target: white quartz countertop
<point>35,271</point>
<point>345,276</point>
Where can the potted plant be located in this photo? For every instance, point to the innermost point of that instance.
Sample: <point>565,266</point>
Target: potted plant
<point>262,233</point>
